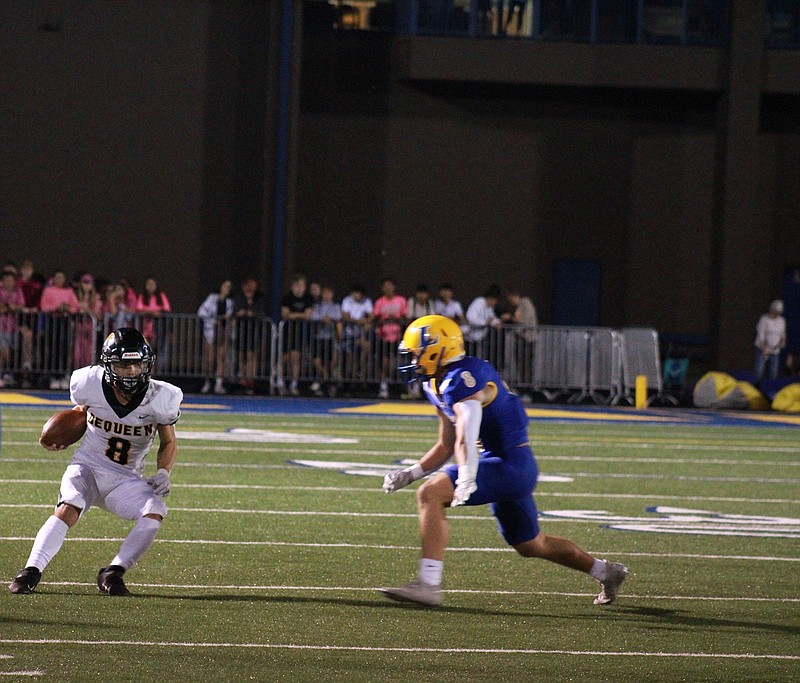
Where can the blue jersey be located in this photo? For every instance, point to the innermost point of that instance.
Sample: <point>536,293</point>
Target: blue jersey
<point>504,423</point>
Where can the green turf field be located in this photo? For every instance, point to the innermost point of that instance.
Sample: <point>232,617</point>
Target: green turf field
<point>268,571</point>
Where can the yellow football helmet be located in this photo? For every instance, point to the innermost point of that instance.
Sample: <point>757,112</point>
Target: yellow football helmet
<point>429,343</point>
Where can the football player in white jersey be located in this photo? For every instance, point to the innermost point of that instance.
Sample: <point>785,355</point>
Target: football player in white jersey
<point>125,409</point>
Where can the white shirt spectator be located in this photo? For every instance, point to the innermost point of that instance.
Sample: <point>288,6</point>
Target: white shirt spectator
<point>479,316</point>
<point>357,310</point>
<point>452,309</point>
<point>771,333</point>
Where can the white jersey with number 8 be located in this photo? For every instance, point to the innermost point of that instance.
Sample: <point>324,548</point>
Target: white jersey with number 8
<point>116,434</point>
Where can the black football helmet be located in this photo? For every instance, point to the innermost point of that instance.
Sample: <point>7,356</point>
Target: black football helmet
<point>125,346</point>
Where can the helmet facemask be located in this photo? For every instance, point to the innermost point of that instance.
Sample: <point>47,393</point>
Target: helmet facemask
<point>127,347</point>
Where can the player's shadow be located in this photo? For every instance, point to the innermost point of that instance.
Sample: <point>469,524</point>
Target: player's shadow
<point>666,618</point>
<point>28,621</point>
<point>351,602</point>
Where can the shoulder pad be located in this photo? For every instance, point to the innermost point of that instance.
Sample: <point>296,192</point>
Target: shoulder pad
<point>166,401</point>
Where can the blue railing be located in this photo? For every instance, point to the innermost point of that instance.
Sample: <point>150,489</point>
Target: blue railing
<point>680,22</point>
<point>686,22</point>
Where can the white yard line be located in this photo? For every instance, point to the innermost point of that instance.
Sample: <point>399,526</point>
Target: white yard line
<point>605,475</point>
<point>376,490</point>
<point>366,546</point>
<point>28,674</point>
<point>289,449</point>
<point>378,649</point>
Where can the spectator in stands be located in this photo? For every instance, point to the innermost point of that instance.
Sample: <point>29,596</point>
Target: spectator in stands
<point>249,309</point>
<point>315,290</point>
<point>389,316</point>
<point>515,7</point>
<point>32,285</point>
<point>116,307</point>
<point>420,304</point>
<point>296,306</point>
<point>481,318</point>
<point>90,310</point>
<point>770,340</point>
<point>448,306</point>
<point>130,294</point>
<point>59,302</point>
<point>356,323</point>
<point>151,305</point>
<point>523,315</point>
<point>215,312</point>
<point>327,316</point>
<point>12,303</point>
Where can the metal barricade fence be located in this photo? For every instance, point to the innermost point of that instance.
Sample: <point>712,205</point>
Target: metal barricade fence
<point>39,350</point>
<point>570,363</point>
<point>641,356</point>
<point>605,365</point>
<point>333,354</point>
<point>236,350</point>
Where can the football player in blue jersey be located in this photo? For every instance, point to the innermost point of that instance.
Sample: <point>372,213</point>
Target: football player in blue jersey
<point>473,403</point>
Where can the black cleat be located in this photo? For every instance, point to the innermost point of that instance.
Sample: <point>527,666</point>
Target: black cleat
<point>109,580</point>
<point>26,581</point>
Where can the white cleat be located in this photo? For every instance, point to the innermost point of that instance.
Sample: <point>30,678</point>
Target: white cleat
<point>616,574</point>
<point>416,591</point>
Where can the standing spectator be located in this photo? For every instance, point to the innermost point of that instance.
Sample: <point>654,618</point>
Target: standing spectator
<point>249,309</point>
<point>215,313</point>
<point>90,309</point>
<point>151,305</point>
<point>130,294</point>
<point>59,302</point>
<point>12,303</point>
<point>770,340</point>
<point>356,317</point>
<point>388,314</point>
<point>327,315</point>
<point>481,318</point>
<point>315,290</point>
<point>116,308</point>
<point>523,314</point>
<point>420,304</point>
<point>449,307</point>
<point>296,307</point>
<point>32,285</point>
<point>417,306</point>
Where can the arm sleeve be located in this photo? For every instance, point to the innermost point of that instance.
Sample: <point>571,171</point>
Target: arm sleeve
<point>470,415</point>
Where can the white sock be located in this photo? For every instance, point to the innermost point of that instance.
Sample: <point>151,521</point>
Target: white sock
<point>137,542</point>
<point>47,542</point>
<point>598,570</point>
<point>430,571</point>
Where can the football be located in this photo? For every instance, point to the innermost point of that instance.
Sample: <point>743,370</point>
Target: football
<point>63,429</point>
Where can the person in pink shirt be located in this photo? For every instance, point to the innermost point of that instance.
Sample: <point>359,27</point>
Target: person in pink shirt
<point>58,302</point>
<point>130,294</point>
<point>151,304</point>
<point>389,314</point>
<point>12,303</point>
<point>89,304</point>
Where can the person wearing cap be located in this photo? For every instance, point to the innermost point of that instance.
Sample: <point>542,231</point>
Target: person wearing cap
<point>770,340</point>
